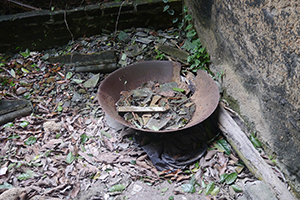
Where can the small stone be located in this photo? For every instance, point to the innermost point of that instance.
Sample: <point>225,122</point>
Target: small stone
<point>51,126</point>
<point>88,121</point>
<point>136,188</point>
<point>21,90</point>
<point>123,145</point>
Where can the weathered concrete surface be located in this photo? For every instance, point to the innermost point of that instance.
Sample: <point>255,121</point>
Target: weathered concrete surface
<point>40,30</point>
<point>256,44</point>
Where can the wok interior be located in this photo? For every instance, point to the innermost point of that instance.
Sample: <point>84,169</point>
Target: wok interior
<point>206,96</point>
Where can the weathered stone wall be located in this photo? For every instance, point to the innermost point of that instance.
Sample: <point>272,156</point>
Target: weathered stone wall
<point>44,29</point>
<point>256,44</point>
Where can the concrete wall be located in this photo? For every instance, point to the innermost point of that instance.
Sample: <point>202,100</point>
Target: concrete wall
<point>256,44</point>
<point>44,29</point>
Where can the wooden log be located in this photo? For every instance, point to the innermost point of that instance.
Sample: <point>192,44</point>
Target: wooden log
<point>250,156</point>
<point>140,109</point>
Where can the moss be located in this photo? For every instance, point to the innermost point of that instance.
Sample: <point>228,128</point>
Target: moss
<point>232,102</point>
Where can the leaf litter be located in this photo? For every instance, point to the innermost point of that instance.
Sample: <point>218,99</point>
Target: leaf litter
<point>65,147</point>
<point>156,106</point>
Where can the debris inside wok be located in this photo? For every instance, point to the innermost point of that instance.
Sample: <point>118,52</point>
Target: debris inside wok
<point>158,106</point>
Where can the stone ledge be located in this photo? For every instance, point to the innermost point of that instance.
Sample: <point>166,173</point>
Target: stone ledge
<point>39,30</point>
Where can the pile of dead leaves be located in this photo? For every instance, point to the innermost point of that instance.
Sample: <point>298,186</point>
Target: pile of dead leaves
<point>65,147</point>
<point>156,106</point>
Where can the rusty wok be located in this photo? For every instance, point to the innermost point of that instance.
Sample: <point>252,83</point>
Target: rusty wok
<point>206,96</point>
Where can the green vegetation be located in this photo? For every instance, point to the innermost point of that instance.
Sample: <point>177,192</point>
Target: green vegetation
<point>199,58</point>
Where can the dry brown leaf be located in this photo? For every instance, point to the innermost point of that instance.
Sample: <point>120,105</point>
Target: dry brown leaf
<point>143,157</point>
<point>143,164</point>
<point>181,178</point>
<point>75,190</point>
<point>108,144</point>
<point>222,159</point>
<point>107,157</point>
<point>51,144</point>
<point>210,154</point>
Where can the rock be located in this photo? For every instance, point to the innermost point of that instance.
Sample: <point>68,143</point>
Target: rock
<point>136,188</point>
<point>92,82</point>
<point>258,190</point>
<point>256,45</point>
<point>21,90</point>
<point>51,126</point>
<point>13,193</point>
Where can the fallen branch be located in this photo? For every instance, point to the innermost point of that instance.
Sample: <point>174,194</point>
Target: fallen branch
<point>22,5</point>
<point>250,156</point>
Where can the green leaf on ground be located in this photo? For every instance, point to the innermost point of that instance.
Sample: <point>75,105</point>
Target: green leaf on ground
<point>13,137</point>
<point>59,108</point>
<point>24,124</point>
<point>69,75</point>
<point>236,188</point>
<point>77,80</point>
<point>70,158</point>
<point>10,124</point>
<point>164,189</point>
<point>223,177</point>
<point>13,73</point>
<point>224,145</point>
<point>256,143</point>
<point>176,89</point>
<point>171,198</point>
<point>27,175</point>
<point>6,186</point>
<point>193,181</point>
<point>84,138</point>
<point>188,188</point>
<point>203,184</point>
<point>231,178</point>
<point>122,36</point>
<point>209,188</point>
<point>24,176</point>
<point>215,191</point>
<point>26,53</point>
<point>117,188</point>
<point>24,70</point>
<point>31,140</point>
<point>106,134</point>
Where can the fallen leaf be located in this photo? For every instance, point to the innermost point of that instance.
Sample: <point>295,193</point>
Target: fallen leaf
<point>70,158</point>
<point>117,188</point>
<point>209,188</point>
<point>236,188</point>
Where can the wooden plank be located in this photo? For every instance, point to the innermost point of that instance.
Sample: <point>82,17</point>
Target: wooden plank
<point>140,109</point>
<point>250,156</point>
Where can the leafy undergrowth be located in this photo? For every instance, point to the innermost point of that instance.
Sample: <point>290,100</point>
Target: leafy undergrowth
<point>66,147</point>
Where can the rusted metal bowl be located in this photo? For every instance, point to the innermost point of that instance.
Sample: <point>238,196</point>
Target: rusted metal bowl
<point>206,96</point>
